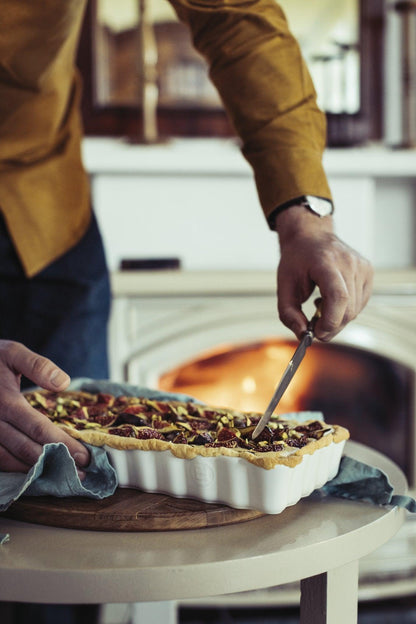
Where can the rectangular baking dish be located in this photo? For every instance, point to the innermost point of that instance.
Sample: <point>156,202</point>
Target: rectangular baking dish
<point>232,481</point>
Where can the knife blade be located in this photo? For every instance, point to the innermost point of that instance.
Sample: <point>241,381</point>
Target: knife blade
<point>290,371</point>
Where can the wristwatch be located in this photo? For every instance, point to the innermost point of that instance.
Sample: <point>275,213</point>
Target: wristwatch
<point>319,206</point>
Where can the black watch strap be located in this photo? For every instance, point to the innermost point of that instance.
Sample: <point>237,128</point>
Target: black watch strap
<point>320,206</point>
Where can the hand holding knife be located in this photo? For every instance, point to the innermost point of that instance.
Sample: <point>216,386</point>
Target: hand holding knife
<point>291,369</point>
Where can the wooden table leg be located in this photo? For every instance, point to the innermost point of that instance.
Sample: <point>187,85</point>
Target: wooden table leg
<point>165,612</point>
<point>330,597</point>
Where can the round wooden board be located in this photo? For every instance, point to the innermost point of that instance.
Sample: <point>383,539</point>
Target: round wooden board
<point>126,510</point>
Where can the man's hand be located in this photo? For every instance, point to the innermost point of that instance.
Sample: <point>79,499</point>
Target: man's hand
<point>312,255</point>
<point>23,430</point>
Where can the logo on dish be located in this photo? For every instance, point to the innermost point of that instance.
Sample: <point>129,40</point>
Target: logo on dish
<point>204,474</point>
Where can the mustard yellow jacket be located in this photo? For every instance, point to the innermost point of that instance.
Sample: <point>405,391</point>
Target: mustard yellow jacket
<point>254,61</point>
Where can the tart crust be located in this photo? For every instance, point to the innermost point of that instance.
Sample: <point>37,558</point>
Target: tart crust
<point>266,460</point>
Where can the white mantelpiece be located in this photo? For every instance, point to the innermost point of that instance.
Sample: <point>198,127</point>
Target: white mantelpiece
<point>195,199</point>
<point>222,157</point>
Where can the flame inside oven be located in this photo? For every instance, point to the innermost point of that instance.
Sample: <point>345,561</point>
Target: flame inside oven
<point>241,377</point>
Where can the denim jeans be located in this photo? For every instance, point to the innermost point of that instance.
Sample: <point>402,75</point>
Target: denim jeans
<point>62,312</point>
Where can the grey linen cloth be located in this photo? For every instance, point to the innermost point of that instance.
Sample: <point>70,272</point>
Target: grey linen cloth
<point>358,481</point>
<point>55,472</point>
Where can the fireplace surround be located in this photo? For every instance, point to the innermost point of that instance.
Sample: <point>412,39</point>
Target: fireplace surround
<point>181,330</point>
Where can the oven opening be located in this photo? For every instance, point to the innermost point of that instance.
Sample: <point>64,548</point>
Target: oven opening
<point>371,395</point>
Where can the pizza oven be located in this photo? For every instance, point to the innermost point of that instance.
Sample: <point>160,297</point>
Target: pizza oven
<point>216,336</point>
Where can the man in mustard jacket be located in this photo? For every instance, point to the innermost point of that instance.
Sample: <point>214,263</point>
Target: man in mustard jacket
<point>53,277</point>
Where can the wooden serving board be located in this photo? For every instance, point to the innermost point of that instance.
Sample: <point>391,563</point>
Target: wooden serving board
<point>126,510</point>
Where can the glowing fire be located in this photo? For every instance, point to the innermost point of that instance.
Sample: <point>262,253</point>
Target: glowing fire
<point>242,377</point>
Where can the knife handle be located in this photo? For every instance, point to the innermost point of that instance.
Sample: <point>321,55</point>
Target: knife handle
<point>316,316</point>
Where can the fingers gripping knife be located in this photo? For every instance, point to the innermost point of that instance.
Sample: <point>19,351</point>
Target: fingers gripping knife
<point>291,369</point>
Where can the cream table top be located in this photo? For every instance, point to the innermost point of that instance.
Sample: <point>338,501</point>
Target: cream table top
<point>53,565</point>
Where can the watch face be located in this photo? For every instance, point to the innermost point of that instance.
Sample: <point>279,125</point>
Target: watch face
<point>320,206</point>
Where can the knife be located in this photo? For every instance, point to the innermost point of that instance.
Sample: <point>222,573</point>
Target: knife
<point>291,369</point>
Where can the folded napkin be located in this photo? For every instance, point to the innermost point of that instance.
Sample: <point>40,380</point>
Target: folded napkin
<point>358,481</point>
<point>55,472</point>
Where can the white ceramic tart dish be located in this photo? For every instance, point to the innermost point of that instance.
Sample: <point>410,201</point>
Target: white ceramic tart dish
<point>229,480</point>
<point>191,450</point>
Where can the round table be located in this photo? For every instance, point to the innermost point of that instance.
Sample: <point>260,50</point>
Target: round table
<point>318,541</point>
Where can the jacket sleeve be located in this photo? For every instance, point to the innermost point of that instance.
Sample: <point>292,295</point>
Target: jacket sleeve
<point>258,69</point>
